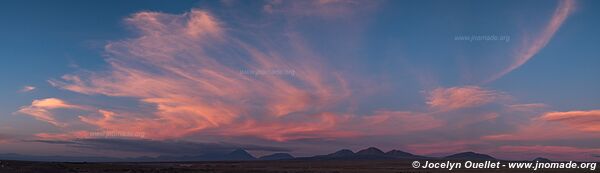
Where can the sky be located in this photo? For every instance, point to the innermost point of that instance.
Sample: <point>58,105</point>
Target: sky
<point>514,79</point>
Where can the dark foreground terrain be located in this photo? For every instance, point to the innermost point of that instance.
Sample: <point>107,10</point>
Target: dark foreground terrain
<point>374,166</point>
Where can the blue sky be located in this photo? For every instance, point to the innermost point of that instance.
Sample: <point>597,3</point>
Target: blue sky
<point>390,74</point>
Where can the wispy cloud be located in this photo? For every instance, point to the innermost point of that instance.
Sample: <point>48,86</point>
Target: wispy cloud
<point>62,135</point>
<point>397,122</point>
<point>176,66</point>
<point>329,9</point>
<point>42,109</point>
<point>27,88</point>
<point>529,49</point>
<point>164,147</point>
<point>461,97</point>
<point>4,138</point>
<point>562,125</point>
<point>581,120</point>
<point>549,151</point>
<point>527,107</point>
<point>332,126</point>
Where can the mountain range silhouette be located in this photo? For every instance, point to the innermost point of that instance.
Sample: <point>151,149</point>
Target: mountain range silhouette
<point>370,153</point>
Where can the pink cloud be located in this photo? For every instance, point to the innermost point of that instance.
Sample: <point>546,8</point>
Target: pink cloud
<point>320,8</point>
<point>486,117</point>
<point>63,136</point>
<point>397,122</point>
<point>176,66</point>
<point>527,107</point>
<point>42,110</point>
<point>319,126</point>
<point>461,97</point>
<point>112,121</point>
<point>581,120</point>
<point>328,125</point>
<point>27,88</point>
<point>528,50</point>
<point>52,103</point>
<point>554,126</point>
<point>4,138</point>
<point>538,132</point>
<point>202,23</point>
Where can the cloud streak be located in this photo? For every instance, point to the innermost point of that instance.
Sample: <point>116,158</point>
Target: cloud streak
<point>328,9</point>
<point>562,125</point>
<point>4,138</point>
<point>27,88</point>
<point>163,147</point>
<point>551,152</point>
<point>42,110</point>
<point>581,120</point>
<point>527,51</point>
<point>461,97</point>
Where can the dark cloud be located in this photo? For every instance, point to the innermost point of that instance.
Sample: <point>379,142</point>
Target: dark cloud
<point>51,141</point>
<point>5,137</point>
<point>169,147</point>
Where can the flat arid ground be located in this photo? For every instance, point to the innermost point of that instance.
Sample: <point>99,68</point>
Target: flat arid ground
<point>381,166</point>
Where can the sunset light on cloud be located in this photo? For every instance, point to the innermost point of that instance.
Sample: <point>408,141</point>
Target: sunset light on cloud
<point>307,77</point>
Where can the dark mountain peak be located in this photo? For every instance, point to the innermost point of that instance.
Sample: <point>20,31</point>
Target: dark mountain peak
<point>239,154</point>
<point>541,159</point>
<point>470,156</point>
<point>277,156</point>
<point>370,151</point>
<point>468,153</point>
<point>239,151</point>
<point>398,153</point>
<point>342,153</point>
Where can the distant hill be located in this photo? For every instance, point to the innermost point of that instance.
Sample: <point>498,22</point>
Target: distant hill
<point>470,156</point>
<point>402,155</point>
<point>541,159</point>
<point>238,154</point>
<point>341,153</point>
<point>277,156</point>
<point>370,153</point>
